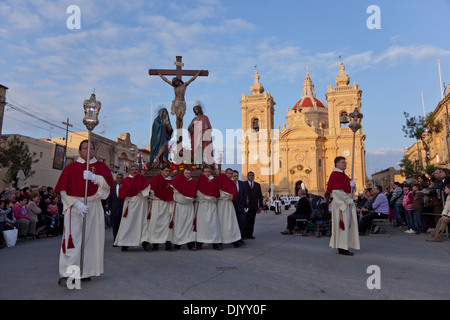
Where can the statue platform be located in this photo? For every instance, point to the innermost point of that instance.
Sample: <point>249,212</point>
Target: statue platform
<point>194,173</point>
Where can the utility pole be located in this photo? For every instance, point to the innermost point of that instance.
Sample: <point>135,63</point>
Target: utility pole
<point>3,90</point>
<point>67,137</point>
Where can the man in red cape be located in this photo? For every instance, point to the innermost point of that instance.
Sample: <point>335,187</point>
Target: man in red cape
<point>184,191</point>
<point>229,226</point>
<point>344,221</point>
<point>133,224</point>
<point>71,188</point>
<point>161,195</point>
<point>207,220</point>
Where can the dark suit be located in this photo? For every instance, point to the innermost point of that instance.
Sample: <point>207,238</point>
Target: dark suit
<point>239,206</point>
<point>254,202</point>
<point>116,206</point>
<point>303,211</point>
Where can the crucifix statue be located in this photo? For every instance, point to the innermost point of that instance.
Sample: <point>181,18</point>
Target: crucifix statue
<point>179,103</point>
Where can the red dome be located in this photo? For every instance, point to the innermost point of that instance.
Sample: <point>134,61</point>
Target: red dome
<point>308,98</point>
<point>307,102</point>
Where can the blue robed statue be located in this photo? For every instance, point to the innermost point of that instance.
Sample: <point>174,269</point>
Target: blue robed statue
<point>159,144</point>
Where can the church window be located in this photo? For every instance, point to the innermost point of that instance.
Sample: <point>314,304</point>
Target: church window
<point>343,118</point>
<point>255,124</point>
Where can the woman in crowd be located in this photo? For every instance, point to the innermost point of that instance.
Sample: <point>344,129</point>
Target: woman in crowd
<point>34,212</point>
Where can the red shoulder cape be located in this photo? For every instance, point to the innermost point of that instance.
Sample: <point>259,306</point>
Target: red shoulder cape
<point>161,187</point>
<point>132,186</point>
<point>208,187</point>
<point>338,181</point>
<point>187,188</point>
<point>227,185</point>
<point>72,182</point>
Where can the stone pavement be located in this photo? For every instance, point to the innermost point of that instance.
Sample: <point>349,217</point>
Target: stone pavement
<point>271,267</point>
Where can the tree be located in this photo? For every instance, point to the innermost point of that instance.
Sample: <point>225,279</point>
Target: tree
<point>420,128</point>
<point>408,167</point>
<point>15,155</point>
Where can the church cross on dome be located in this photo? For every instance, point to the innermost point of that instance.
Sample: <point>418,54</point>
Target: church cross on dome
<point>308,86</point>
<point>308,98</point>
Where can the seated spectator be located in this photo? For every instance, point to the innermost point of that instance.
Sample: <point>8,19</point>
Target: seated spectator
<point>21,214</point>
<point>436,234</point>
<point>366,203</point>
<point>378,210</point>
<point>34,212</point>
<point>303,211</point>
<point>5,222</point>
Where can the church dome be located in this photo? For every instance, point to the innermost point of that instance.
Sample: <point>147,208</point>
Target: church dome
<point>308,98</point>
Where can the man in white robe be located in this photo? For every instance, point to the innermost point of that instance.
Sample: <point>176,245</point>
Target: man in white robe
<point>71,186</point>
<point>207,220</point>
<point>184,190</point>
<point>133,224</point>
<point>229,226</point>
<point>162,206</point>
<point>344,221</point>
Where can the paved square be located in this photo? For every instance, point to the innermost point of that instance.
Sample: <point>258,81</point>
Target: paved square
<point>271,267</point>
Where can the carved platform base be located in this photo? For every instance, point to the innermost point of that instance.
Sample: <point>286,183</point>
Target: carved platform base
<point>194,174</point>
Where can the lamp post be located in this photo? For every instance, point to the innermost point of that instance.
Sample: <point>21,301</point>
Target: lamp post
<point>355,124</point>
<point>91,109</point>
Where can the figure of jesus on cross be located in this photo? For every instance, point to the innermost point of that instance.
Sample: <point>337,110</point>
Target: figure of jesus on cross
<point>179,103</point>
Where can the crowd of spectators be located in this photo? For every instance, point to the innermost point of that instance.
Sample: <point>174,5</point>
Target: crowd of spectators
<point>415,204</point>
<point>31,211</point>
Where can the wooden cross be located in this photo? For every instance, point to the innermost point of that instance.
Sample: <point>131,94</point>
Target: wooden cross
<point>178,72</point>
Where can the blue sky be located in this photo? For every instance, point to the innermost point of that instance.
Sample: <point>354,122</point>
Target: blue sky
<point>50,69</point>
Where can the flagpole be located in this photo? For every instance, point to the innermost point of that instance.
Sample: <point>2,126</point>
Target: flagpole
<point>423,105</point>
<point>440,80</point>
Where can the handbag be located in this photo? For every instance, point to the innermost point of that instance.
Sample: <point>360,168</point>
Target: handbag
<point>10,237</point>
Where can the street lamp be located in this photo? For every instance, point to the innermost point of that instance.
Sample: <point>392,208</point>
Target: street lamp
<point>91,109</point>
<point>355,118</point>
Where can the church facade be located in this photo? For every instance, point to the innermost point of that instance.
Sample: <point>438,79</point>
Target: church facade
<point>301,153</point>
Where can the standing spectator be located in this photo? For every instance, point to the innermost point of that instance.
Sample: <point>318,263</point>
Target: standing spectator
<point>407,202</point>
<point>52,209</point>
<point>417,208</point>
<point>254,202</point>
<point>34,211</point>
<point>239,204</point>
<point>436,191</point>
<point>116,205</point>
<point>396,202</point>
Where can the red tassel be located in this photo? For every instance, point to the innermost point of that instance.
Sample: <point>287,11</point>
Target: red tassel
<point>70,244</point>
<point>126,212</point>
<point>63,246</point>
<point>341,224</point>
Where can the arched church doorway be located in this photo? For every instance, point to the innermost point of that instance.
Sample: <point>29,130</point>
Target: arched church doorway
<point>298,186</point>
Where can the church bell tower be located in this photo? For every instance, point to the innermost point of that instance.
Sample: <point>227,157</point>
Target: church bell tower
<point>341,101</point>
<point>257,125</point>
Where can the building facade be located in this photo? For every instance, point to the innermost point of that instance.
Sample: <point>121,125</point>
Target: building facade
<point>301,153</point>
<point>118,154</point>
<point>438,143</point>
